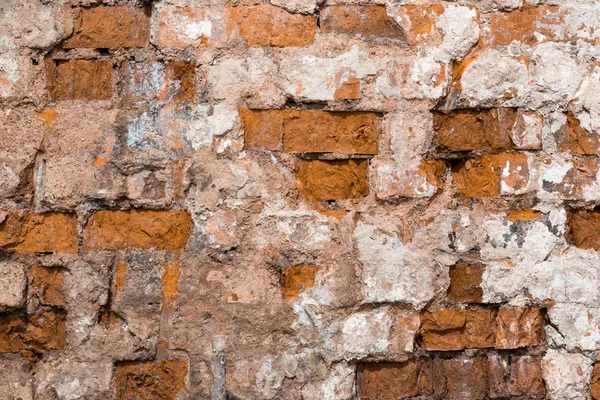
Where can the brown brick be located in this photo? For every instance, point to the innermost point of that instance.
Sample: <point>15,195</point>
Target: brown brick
<point>79,79</point>
<point>442,330</point>
<point>368,21</point>
<point>515,376</point>
<point>393,381</point>
<point>173,80</point>
<point>295,280</point>
<point>595,384</point>
<point>461,378</point>
<point>39,233</point>
<point>519,327</point>
<point>521,25</point>
<point>311,131</point>
<point>332,180</point>
<point>109,27</point>
<point>115,230</point>
<point>348,90</point>
<point>273,26</point>
<point>151,380</point>
<point>465,283</point>
<point>33,333</point>
<point>583,229</point>
<point>46,285</point>
<point>576,140</point>
<point>577,181</point>
<point>482,177</point>
<point>479,329</point>
<point>523,215</point>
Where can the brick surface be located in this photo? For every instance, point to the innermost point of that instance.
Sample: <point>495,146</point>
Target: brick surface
<point>332,180</point>
<point>47,233</point>
<point>114,230</point>
<point>391,381</point>
<point>367,21</point>
<point>295,280</point>
<point>79,79</point>
<point>33,333</point>
<point>109,27</point>
<point>151,379</point>
<point>465,283</point>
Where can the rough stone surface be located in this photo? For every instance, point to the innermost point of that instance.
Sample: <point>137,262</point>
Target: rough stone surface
<point>299,199</point>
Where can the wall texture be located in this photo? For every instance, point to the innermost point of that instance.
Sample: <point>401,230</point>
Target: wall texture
<point>299,199</point>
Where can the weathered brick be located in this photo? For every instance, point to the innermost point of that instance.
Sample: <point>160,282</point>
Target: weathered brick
<point>573,179</point>
<point>515,376</point>
<point>583,229</point>
<point>595,383</point>
<point>46,284</point>
<point>273,26</point>
<point>163,379</point>
<point>519,327</point>
<point>33,333</point>
<point>43,233</point>
<point>115,230</point>
<point>488,129</point>
<point>109,27</point>
<point>442,330</point>
<point>479,331</point>
<point>295,280</point>
<point>393,381</point>
<point>461,378</point>
<point>528,24</point>
<point>332,180</point>
<point>173,80</point>
<point>79,79</point>
<point>465,281</point>
<point>418,20</point>
<point>367,21</point>
<point>311,131</point>
<point>492,175</point>
<point>192,26</point>
<point>392,180</point>
<point>575,139</point>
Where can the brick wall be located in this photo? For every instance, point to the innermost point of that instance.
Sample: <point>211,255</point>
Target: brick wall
<point>299,199</point>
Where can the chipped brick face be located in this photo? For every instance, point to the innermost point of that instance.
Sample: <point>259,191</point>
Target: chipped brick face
<point>299,199</point>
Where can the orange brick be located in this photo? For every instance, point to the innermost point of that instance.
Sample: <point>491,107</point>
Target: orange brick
<point>296,280</point>
<point>419,21</point>
<point>33,333</point>
<point>115,230</point>
<point>442,330</point>
<point>367,21</point>
<point>595,384</point>
<point>483,176</point>
<point>526,25</point>
<point>273,26</point>
<point>109,27</point>
<point>519,327</point>
<point>479,331</point>
<point>79,79</point>
<point>46,285</point>
<point>311,131</point>
<point>461,378</point>
<point>332,180</point>
<point>151,379</point>
<point>39,233</point>
<point>393,381</point>
<point>576,140</point>
<point>516,376</point>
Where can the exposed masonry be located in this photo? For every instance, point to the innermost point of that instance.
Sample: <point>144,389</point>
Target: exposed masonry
<point>299,199</point>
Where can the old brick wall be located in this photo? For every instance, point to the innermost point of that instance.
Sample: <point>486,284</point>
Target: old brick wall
<point>299,199</point>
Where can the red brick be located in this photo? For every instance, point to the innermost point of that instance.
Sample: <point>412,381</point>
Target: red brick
<point>115,230</point>
<point>393,381</point>
<point>368,21</point>
<point>333,180</point>
<point>151,380</point>
<point>519,327</point>
<point>295,280</point>
<point>521,25</point>
<point>311,131</point>
<point>79,79</point>
<point>39,233</point>
<point>33,333</point>
<point>442,330</point>
<point>273,26</point>
<point>465,283</point>
<point>483,176</point>
<point>109,27</point>
<point>479,331</point>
